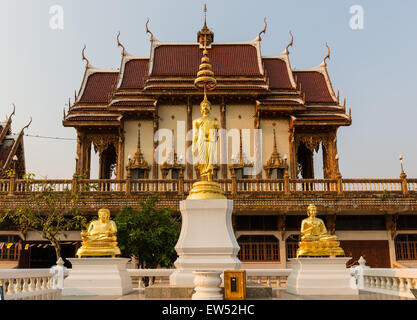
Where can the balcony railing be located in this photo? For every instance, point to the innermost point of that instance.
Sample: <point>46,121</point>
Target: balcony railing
<point>229,186</point>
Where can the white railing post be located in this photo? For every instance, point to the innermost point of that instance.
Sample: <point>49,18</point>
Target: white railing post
<point>58,271</point>
<point>357,272</point>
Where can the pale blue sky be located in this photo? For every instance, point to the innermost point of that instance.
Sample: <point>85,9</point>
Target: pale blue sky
<point>375,68</point>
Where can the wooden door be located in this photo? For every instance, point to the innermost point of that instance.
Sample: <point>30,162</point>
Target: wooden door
<point>375,252</point>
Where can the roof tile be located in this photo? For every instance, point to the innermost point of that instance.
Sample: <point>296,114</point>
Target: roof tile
<point>314,85</point>
<point>277,72</point>
<point>134,74</point>
<point>227,60</point>
<point>98,87</point>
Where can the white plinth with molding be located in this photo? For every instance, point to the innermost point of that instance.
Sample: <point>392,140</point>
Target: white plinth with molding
<point>97,276</point>
<point>320,276</point>
<point>207,240</point>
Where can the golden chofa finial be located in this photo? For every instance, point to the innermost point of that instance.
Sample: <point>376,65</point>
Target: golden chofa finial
<point>258,38</point>
<point>123,53</point>
<point>87,63</point>
<point>289,44</point>
<point>148,31</point>
<point>327,56</point>
<point>14,109</point>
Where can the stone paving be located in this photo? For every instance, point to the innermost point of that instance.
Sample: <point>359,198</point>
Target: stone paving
<point>279,295</point>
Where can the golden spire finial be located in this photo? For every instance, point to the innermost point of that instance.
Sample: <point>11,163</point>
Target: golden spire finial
<point>205,34</point>
<point>205,15</point>
<point>275,143</point>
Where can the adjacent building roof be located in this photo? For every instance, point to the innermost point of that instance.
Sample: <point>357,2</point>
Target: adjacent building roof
<point>11,145</point>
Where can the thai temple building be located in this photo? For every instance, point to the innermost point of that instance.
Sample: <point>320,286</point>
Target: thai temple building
<point>118,114</point>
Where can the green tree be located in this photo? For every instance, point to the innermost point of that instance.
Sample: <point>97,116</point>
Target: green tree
<point>49,213</point>
<point>150,234</point>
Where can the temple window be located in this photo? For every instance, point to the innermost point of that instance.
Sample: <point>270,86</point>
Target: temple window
<point>258,248</point>
<point>406,247</point>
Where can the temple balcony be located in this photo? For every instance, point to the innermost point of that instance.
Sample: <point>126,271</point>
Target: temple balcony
<point>390,196</point>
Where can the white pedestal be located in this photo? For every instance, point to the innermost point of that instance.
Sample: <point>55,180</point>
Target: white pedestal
<point>97,276</point>
<point>320,276</point>
<point>206,242</point>
<point>207,285</point>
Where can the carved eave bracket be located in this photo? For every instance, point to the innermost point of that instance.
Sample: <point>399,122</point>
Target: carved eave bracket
<point>102,142</point>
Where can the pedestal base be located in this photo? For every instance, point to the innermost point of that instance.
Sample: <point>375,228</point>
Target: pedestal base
<point>320,276</point>
<point>97,276</point>
<point>207,240</point>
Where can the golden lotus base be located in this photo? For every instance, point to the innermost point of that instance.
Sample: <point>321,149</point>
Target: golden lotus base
<point>319,249</point>
<point>206,190</point>
<point>98,249</point>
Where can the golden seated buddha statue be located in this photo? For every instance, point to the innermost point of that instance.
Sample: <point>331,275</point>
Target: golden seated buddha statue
<point>314,238</point>
<point>100,237</point>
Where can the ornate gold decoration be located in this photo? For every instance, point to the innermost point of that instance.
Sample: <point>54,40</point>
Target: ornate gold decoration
<point>290,43</point>
<point>263,31</point>
<point>205,34</point>
<point>102,142</point>
<point>241,164</point>
<point>100,237</point>
<point>174,165</point>
<point>315,241</point>
<point>275,161</point>
<point>120,45</point>
<point>327,56</point>
<point>87,63</point>
<point>27,126</point>
<point>138,161</point>
<point>205,136</point>
<point>148,31</point>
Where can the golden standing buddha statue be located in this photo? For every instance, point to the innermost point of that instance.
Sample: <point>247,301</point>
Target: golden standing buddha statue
<point>205,136</point>
<point>314,240</point>
<point>100,237</point>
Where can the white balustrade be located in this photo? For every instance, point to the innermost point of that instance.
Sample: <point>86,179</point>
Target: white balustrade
<point>276,278</point>
<point>392,281</point>
<point>29,284</point>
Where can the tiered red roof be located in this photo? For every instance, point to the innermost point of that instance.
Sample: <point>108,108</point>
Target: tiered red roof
<point>171,69</point>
